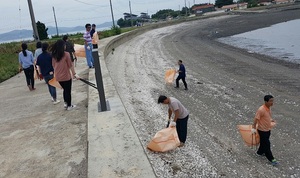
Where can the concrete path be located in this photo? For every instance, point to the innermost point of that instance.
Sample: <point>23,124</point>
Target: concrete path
<point>39,139</point>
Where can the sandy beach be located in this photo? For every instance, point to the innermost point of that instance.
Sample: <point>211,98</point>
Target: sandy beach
<point>226,87</point>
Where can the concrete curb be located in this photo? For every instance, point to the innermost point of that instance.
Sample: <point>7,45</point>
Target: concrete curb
<point>114,149</point>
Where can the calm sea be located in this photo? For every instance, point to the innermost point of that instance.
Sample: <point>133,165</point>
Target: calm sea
<point>281,41</point>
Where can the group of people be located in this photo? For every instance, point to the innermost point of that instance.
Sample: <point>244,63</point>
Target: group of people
<point>59,62</point>
<point>88,43</point>
<point>262,120</point>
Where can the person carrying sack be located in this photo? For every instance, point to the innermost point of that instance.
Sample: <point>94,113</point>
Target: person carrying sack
<point>180,119</point>
<point>264,123</point>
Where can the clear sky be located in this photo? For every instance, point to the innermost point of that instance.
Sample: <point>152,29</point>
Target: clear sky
<point>15,13</point>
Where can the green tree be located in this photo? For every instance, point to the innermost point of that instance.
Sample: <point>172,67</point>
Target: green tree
<point>121,22</point>
<point>163,14</point>
<point>42,30</point>
<point>220,3</point>
<point>251,3</point>
<point>125,23</point>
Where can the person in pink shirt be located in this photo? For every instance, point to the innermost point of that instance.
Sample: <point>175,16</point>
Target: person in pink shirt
<point>263,122</point>
<point>63,71</point>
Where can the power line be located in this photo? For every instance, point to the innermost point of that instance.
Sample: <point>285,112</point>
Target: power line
<point>91,4</point>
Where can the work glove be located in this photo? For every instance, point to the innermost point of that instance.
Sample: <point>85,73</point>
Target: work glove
<point>253,131</point>
<point>88,48</point>
<point>77,76</point>
<point>172,124</point>
<point>41,77</point>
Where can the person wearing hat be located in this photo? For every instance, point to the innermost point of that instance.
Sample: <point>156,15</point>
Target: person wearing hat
<point>181,116</point>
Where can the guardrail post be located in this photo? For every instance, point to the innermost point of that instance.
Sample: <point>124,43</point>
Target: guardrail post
<point>103,105</point>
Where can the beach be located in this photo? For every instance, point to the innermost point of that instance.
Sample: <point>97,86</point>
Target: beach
<point>226,87</point>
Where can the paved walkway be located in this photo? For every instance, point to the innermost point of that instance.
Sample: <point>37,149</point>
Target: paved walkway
<point>39,139</point>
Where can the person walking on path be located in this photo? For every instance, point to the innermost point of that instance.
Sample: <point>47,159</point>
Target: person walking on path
<point>94,36</point>
<point>70,49</point>
<point>26,63</point>
<point>263,120</point>
<point>45,68</point>
<point>88,46</point>
<point>62,64</point>
<point>181,116</point>
<point>37,52</point>
<point>181,75</point>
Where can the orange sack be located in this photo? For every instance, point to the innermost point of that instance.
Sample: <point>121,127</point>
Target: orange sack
<point>164,140</point>
<point>249,138</point>
<point>79,50</point>
<point>170,76</point>
<point>54,83</point>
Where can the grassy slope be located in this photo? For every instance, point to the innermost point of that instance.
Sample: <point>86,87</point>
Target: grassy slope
<point>9,64</point>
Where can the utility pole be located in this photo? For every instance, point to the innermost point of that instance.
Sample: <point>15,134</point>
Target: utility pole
<point>55,21</point>
<point>112,14</point>
<point>130,14</point>
<point>185,7</point>
<point>189,7</point>
<point>35,31</point>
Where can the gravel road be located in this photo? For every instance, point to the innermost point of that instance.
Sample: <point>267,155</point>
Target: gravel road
<point>226,87</point>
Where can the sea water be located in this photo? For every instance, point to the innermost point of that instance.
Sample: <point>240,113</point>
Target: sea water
<point>281,41</point>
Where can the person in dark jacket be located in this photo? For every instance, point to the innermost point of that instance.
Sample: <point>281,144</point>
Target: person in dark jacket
<point>181,75</point>
<point>44,63</point>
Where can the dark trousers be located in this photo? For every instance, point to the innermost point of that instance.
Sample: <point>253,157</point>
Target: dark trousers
<point>265,145</point>
<point>181,128</point>
<point>67,86</point>
<point>183,80</point>
<point>29,74</point>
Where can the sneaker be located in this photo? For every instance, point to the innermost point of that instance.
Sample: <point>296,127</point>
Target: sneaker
<point>69,108</point>
<point>186,89</point>
<point>259,154</point>
<point>176,87</point>
<point>274,162</point>
<point>52,99</point>
<point>56,102</point>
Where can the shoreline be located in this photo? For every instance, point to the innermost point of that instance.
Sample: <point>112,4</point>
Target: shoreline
<point>226,86</point>
<point>248,22</point>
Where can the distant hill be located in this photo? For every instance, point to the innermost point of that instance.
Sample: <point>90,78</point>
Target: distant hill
<point>25,34</point>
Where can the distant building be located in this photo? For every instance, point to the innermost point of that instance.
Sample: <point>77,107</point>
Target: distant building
<point>237,6</point>
<point>128,16</point>
<point>144,16</point>
<point>282,1</point>
<point>265,3</point>
<point>203,8</point>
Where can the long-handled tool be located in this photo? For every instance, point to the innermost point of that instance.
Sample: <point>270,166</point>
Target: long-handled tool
<point>89,83</point>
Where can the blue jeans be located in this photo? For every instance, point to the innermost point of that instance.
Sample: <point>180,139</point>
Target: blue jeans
<point>52,89</point>
<point>88,54</point>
